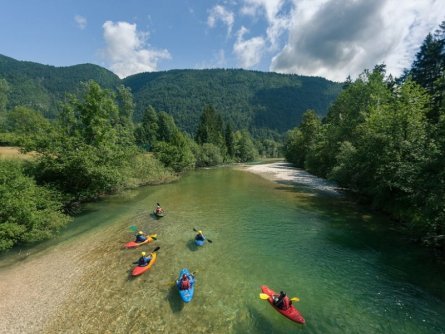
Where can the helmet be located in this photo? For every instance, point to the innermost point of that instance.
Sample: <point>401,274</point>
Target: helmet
<point>200,232</point>
<point>184,276</point>
<point>143,253</point>
<point>140,232</point>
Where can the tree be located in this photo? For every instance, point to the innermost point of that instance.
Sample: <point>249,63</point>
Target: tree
<point>84,156</point>
<point>27,125</point>
<point>4,90</point>
<point>172,147</point>
<point>147,131</point>
<point>229,141</point>
<point>210,128</point>
<point>245,149</point>
<point>28,212</point>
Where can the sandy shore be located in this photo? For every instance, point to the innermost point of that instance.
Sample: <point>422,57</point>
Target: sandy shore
<point>285,172</point>
<point>33,288</point>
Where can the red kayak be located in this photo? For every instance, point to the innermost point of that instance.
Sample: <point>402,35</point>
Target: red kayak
<point>133,244</point>
<point>291,313</point>
<point>140,270</point>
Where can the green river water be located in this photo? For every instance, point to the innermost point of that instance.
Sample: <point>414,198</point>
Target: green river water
<point>351,271</point>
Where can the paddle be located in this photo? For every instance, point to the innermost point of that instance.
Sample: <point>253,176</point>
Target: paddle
<point>194,229</point>
<point>265,297</point>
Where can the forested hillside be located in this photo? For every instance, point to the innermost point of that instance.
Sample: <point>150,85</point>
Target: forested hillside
<point>243,98</point>
<point>42,87</point>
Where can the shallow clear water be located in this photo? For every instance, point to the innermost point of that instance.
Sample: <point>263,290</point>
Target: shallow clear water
<point>352,273</point>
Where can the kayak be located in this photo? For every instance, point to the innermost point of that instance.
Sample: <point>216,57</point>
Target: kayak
<point>159,214</point>
<point>140,270</point>
<point>199,242</point>
<point>186,295</point>
<point>133,244</point>
<point>291,313</point>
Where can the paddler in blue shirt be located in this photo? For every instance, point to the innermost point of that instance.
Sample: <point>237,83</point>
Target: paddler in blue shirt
<point>140,237</point>
<point>200,236</point>
<point>143,260</point>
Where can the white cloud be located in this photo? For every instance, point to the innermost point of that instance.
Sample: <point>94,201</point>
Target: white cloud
<point>218,61</point>
<point>81,21</point>
<point>272,10</point>
<point>337,38</point>
<point>219,13</point>
<point>126,50</point>
<point>250,51</point>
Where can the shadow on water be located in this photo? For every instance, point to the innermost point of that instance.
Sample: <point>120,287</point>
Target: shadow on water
<point>360,229</point>
<point>176,304</point>
<point>192,246</point>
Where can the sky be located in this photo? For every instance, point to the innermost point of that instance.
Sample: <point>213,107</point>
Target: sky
<point>333,39</point>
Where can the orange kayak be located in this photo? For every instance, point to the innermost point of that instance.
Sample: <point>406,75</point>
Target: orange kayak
<point>140,270</point>
<point>133,244</point>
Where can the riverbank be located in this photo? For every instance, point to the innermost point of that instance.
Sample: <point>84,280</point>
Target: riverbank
<point>284,172</point>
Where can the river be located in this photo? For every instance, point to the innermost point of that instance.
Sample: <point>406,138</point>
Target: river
<point>351,270</point>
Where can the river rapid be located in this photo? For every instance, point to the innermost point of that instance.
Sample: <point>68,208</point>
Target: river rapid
<point>269,224</point>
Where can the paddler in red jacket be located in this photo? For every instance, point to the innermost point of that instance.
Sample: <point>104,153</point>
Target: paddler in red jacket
<point>184,284</point>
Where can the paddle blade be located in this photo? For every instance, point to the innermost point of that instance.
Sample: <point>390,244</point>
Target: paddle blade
<point>154,236</point>
<point>133,228</point>
<point>156,249</point>
<point>264,296</point>
<point>194,229</point>
<point>295,299</point>
<point>209,240</point>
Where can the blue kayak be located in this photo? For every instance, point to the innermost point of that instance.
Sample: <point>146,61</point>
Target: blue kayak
<point>199,242</point>
<point>186,295</point>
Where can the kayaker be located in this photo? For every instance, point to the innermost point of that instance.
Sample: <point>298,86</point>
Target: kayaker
<point>140,237</point>
<point>184,284</point>
<point>143,260</point>
<point>282,301</point>
<point>158,208</point>
<point>200,236</point>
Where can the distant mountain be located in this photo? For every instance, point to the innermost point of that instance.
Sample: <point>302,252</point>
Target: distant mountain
<point>246,99</point>
<point>42,86</point>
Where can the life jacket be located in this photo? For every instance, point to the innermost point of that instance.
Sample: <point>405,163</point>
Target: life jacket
<point>286,303</point>
<point>144,261</point>
<point>140,238</point>
<point>283,303</point>
<point>200,237</point>
<point>185,284</point>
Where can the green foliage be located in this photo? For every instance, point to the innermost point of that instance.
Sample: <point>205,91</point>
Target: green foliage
<point>43,87</point>
<point>28,212</point>
<point>26,125</point>
<point>247,99</point>
<point>208,155</point>
<point>269,148</point>
<point>144,169</point>
<point>378,141</point>
<point>210,128</point>
<point>245,149</point>
<point>293,147</point>
<point>84,154</point>
<point>229,141</point>
<point>4,90</point>
<point>146,132</point>
<point>176,154</point>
